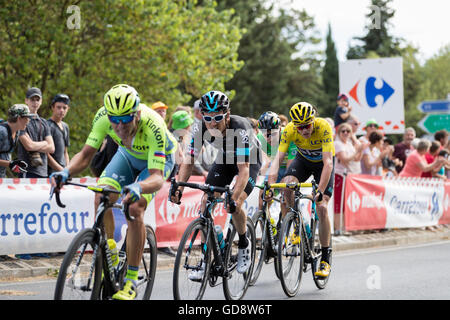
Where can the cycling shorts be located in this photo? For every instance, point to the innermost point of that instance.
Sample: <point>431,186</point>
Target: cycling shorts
<point>221,175</point>
<point>124,169</point>
<point>302,169</point>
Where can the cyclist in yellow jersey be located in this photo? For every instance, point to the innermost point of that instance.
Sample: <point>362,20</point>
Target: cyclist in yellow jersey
<point>313,137</point>
<point>143,161</point>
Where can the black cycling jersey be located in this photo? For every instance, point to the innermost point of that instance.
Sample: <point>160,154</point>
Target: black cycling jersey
<point>238,145</point>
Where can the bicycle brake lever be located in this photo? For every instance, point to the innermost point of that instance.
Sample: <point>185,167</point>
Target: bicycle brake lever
<point>125,208</point>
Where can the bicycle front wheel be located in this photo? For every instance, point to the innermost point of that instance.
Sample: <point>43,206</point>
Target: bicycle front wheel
<point>192,263</point>
<point>290,254</point>
<point>147,270</point>
<point>260,246</point>
<point>235,284</point>
<point>79,276</point>
<point>321,283</point>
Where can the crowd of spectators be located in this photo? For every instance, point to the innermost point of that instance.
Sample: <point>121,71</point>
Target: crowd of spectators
<point>374,153</point>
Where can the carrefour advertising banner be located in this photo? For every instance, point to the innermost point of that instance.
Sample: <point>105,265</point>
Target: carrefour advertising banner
<point>373,202</point>
<point>32,223</point>
<point>375,91</point>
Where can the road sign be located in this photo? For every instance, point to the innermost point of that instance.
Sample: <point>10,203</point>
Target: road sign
<point>441,106</point>
<point>435,122</point>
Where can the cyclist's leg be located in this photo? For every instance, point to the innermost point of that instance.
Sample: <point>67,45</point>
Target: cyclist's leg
<point>136,228</point>
<point>296,172</point>
<point>322,211</point>
<point>118,169</point>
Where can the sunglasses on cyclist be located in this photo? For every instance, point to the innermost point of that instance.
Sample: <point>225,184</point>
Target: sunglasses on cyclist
<point>217,118</point>
<point>345,131</point>
<point>302,127</point>
<point>124,119</point>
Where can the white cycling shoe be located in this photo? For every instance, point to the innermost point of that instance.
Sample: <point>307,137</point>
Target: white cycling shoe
<point>197,275</point>
<point>244,259</point>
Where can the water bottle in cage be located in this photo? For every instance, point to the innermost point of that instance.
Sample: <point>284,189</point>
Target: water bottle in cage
<point>220,236</point>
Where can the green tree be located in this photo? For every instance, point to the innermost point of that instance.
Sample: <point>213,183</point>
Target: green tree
<point>168,50</point>
<point>278,51</point>
<point>377,39</point>
<point>330,73</point>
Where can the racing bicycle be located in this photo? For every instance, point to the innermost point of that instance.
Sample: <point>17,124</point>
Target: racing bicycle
<point>199,249</point>
<point>266,240</point>
<point>298,242</point>
<point>87,270</point>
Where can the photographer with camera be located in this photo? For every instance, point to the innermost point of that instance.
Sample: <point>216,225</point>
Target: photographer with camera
<point>18,118</point>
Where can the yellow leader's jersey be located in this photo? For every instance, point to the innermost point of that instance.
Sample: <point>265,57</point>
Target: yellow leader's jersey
<point>311,149</point>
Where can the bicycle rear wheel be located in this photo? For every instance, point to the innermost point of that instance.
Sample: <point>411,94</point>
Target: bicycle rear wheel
<point>235,284</point>
<point>192,255</point>
<point>260,246</point>
<point>290,254</point>
<point>80,274</point>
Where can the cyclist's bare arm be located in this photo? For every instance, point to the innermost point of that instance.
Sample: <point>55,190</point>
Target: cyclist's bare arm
<point>81,160</point>
<point>183,175</point>
<point>241,181</point>
<point>327,158</point>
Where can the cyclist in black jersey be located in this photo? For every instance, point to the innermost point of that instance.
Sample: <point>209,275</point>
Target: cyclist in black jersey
<point>238,156</point>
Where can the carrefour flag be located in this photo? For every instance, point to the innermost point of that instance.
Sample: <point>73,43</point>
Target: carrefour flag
<point>375,91</point>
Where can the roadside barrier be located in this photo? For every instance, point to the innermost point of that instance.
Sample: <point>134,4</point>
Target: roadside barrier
<point>373,202</point>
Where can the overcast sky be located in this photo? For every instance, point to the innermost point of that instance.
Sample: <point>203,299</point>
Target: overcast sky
<point>424,23</point>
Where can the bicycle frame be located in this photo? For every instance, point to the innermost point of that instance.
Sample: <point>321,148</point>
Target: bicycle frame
<point>104,205</point>
<point>206,216</point>
<point>267,226</point>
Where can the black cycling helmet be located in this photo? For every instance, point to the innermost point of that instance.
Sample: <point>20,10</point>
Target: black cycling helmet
<point>269,120</point>
<point>214,101</point>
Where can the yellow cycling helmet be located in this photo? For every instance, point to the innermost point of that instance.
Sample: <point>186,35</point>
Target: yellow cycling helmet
<point>120,100</point>
<point>302,113</point>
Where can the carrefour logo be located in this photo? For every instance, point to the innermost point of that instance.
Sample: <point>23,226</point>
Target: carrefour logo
<point>353,201</point>
<point>369,92</point>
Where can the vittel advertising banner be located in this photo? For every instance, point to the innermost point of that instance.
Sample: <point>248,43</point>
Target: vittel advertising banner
<point>375,91</point>
<point>372,202</point>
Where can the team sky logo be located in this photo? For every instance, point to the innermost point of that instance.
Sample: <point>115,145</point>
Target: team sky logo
<point>369,91</point>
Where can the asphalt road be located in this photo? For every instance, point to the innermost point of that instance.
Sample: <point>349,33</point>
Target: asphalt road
<point>412,273</point>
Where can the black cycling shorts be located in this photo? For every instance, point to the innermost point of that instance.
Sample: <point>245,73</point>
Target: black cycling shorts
<point>302,169</point>
<point>221,175</point>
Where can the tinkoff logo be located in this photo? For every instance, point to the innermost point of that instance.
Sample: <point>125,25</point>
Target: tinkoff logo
<point>372,92</point>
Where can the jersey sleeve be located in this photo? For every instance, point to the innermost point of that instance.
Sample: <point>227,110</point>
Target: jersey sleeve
<point>195,146</point>
<point>327,139</point>
<point>100,126</point>
<point>157,147</point>
<point>285,140</point>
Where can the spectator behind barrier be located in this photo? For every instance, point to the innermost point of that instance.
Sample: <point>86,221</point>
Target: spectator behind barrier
<point>442,137</point>
<point>283,120</point>
<point>404,148</point>
<point>18,118</point>
<point>430,156</point>
<point>443,155</point>
<point>343,110</point>
<point>60,133</point>
<point>416,162</point>
<point>373,154</point>
<point>36,141</point>
<point>389,162</point>
<point>348,160</point>
<point>371,126</point>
